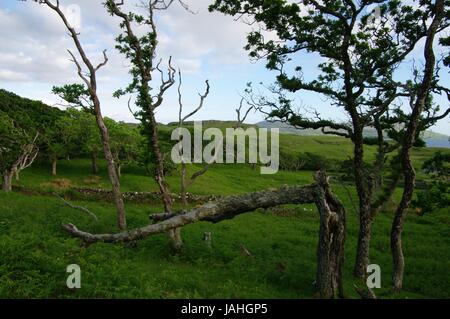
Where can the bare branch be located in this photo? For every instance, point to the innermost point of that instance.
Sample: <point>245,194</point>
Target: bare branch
<point>105,57</point>
<point>240,120</point>
<point>80,71</point>
<point>80,208</point>
<point>225,208</point>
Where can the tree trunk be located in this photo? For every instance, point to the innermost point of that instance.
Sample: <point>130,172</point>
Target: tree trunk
<point>399,219</point>
<point>111,166</point>
<point>17,174</point>
<point>409,139</point>
<point>365,218</point>
<point>174,234</point>
<point>94,163</point>
<point>91,81</point>
<point>119,170</point>
<point>363,246</point>
<point>54,162</point>
<point>7,181</point>
<point>330,251</point>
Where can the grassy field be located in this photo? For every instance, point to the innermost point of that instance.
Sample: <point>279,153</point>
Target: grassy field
<point>34,251</point>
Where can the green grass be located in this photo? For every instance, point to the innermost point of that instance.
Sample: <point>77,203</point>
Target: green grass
<point>34,251</point>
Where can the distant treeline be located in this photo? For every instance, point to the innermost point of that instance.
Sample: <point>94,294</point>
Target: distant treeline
<point>67,134</point>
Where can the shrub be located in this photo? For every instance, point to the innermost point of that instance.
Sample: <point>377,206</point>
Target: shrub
<point>304,161</point>
<point>436,196</point>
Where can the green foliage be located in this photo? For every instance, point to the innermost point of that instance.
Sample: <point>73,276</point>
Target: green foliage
<point>324,30</point>
<point>437,192</point>
<point>31,116</point>
<point>125,142</point>
<point>76,95</point>
<point>146,156</point>
<point>438,165</point>
<point>12,138</point>
<point>305,161</point>
<point>436,196</point>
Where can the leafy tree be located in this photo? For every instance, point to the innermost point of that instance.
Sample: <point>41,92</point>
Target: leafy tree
<point>437,192</point>
<point>91,139</point>
<point>124,143</point>
<point>62,138</point>
<point>34,119</point>
<point>17,150</point>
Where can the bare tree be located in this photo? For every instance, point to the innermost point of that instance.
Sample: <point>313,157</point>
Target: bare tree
<point>186,182</point>
<point>90,80</point>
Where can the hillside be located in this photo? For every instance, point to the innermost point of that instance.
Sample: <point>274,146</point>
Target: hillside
<point>431,138</point>
<point>26,112</point>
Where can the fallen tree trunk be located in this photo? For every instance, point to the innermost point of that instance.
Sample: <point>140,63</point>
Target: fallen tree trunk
<point>225,208</point>
<point>330,251</point>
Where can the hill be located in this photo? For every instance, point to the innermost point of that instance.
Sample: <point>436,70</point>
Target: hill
<point>26,112</point>
<point>431,138</point>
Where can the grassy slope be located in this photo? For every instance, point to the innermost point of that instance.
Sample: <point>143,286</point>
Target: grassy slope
<point>34,252</point>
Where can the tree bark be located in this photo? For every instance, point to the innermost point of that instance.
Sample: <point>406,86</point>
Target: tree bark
<point>365,218</point>
<point>7,181</point>
<point>94,163</point>
<point>408,142</point>
<point>54,163</point>
<point>111,167</point>
<point>363,246</point>
<point>330,251</point>
<point>17,174</point>
<point>174,234</point>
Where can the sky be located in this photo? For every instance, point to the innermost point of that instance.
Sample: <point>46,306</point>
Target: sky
<point>34,58</point>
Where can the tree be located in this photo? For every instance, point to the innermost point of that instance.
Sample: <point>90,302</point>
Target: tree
<point>17,151</point>
<point>87,93</point>
<point>360,51</point>
<point>124,143</point>
<point>61,139</point>
<point>419,101</point>
<point>33,119</point>
<point>90,138</point>
<point>186,182</point>
<point>140,51</point>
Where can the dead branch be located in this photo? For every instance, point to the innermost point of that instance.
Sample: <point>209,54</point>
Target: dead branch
<point>241,120</point>
<point>225,208</point>
<point>80,208</point>
<point>330,252</point>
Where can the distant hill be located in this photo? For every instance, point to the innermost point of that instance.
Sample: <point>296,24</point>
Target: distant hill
<point>213,123</point>
<point>431,138</point>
